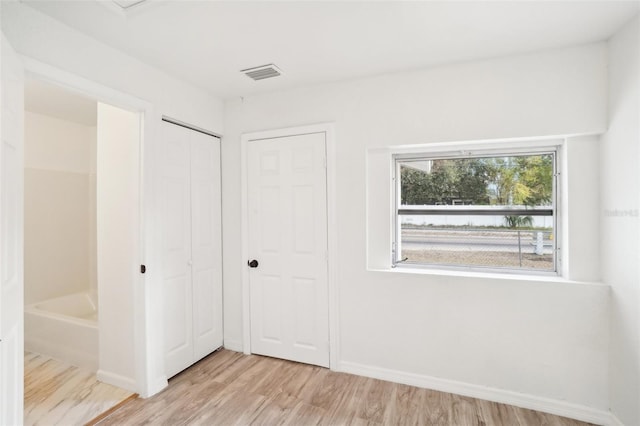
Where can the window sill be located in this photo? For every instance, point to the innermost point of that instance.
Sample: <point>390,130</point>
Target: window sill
<point>485,275</point>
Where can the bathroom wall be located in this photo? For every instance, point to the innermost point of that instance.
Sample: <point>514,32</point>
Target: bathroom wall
<point>59,255</point>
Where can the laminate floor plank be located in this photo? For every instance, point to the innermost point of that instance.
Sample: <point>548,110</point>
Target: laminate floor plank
<point>491,412</point>
<point>525,417</point>
<point>316,376</point>
<point>330,390</point>
<point>228,388</point>
<point>57,393</point>
<point>375,401</point>
<point>437,407</point>
<point>223,361</point>
<point>267,380</point>
<point>293,379</point>
<point>463,411</point>
<point>237,368</point>
<point>306,414</point>
<point>240,409</point>
<point>276,410</point>
<point>344,412</point>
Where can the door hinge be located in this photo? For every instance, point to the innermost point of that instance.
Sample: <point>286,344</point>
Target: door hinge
<point>143,269</point>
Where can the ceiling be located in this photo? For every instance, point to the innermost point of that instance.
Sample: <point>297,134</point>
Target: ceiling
<point>207,43</point>
<point>47,99</point>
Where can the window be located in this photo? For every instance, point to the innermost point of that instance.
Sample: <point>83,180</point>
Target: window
<point>482,210</point>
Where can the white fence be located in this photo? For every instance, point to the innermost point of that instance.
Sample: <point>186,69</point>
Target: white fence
<point>470,219</point>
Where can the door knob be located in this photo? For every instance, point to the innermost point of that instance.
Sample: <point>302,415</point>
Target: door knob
<point>252,263</point>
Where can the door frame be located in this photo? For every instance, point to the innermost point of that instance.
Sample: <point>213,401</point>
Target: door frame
<point>148,359</point>
<point>333,296</point>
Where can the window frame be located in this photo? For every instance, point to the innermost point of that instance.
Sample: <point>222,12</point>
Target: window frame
<point>452,154</point>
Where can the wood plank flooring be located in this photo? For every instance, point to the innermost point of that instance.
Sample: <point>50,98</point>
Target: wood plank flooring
<point>56,393</point>
<point>229,388</point>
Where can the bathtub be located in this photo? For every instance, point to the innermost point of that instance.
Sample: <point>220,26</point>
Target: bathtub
<point>65,328</point>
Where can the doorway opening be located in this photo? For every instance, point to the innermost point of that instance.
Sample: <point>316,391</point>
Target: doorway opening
<point>81,220</point>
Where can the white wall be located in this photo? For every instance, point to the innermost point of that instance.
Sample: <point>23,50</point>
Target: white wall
<point>620,233</point>
<point>118,209</point>
<point>93,227</point>
<point>543,338</point>
<point>40,37</point>
<point>58,145</point>
<point>57,250</point>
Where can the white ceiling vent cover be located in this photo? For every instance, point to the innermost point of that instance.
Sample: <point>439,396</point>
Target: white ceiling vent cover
<point>126,8</point>
<point>128,4</point>
<point>262,72</point>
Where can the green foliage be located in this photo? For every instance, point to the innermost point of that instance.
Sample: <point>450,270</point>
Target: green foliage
<point>518,221</point>
<point>516,180</point>
<point>449,181</point>
<point>536,174</point>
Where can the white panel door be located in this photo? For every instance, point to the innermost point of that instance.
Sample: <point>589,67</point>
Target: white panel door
<point>192,246</point>
<point>178,296</point>
<point>287,201</point>
<point>206,244</point>
<point>11,237</point>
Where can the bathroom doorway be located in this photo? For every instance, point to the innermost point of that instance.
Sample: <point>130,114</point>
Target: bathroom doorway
<point>81,241</point>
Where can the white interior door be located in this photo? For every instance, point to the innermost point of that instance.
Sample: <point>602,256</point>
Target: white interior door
<point>192,246</point>
<point>175,183</point>
<point>287,201</point>
<point>11,237</point>
<point>206,244</point>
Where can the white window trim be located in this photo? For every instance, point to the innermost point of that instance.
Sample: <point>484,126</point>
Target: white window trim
<point>475,150</point>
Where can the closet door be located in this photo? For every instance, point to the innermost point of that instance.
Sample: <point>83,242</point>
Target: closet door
<point>192,246</point>
<point>176,208</point>
<point>206,244</point>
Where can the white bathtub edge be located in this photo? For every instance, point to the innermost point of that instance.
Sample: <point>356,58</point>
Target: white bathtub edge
<point>66,338</point>
<point>74,299</point>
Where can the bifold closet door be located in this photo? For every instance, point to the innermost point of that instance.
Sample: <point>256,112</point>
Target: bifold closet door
<point>192,266</point>
<point>206,244</point>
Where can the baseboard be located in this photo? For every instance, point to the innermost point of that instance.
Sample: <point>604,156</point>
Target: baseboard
<point>156,386</point>
<point>614,420</point>
<point>560,408</point>
<point>117,380</point>
<point>233,345</point>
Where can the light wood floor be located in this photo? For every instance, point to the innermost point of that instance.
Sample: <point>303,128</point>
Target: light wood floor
<point>229,388</point>
<point>56,393</point>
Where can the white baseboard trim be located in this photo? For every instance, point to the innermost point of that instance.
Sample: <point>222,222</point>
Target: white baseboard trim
<point>157,385</point>
<point>233,345</point>
<point>117,380</point>
<point>614,420</point>
<point>547,405</point>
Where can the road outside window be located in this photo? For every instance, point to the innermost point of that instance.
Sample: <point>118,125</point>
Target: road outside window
<point>477,211</point>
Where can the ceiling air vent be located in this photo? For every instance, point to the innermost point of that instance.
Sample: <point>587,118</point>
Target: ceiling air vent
<point>126,8</point>
<point>128,4</point>
<point>262,72</point>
